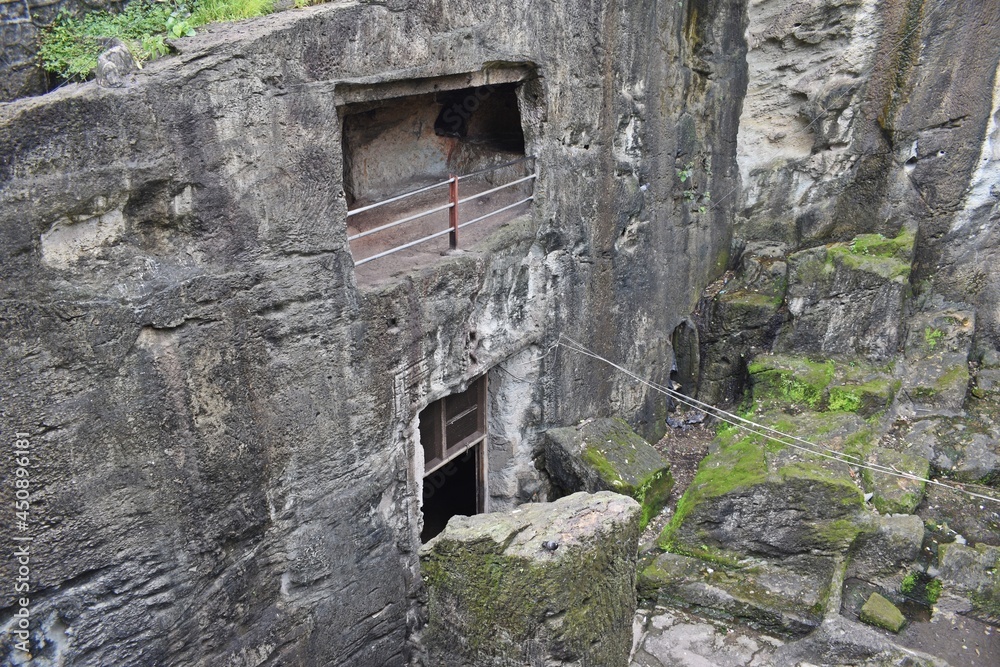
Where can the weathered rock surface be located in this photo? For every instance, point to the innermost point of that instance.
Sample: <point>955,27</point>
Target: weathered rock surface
<point>542,585</point>
<point>895,542</point>
<point>881,613</point>
<point>786,597</point>
<point>738,318</point>
<point>847,298</point>
<point>935,369</point>
<point>671,638</point>
<point>607,455</point>
<point>223,415</point>
<point>114,65</point>
<point>839,641</point>
<point>974,573</point>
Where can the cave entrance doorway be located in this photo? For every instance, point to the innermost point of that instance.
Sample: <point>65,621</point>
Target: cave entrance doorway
<point>453,437</point>
<point>401,144</point>
<point>687,359</point>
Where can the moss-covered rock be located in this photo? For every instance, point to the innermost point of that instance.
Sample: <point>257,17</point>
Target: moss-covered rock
<point>892,494</point>
<point>787,597</point>
<point>881,613</point>
<point>547,581</point>
<point>607,455</point>
<point>783,380</point>
<point>827,385</point>
<point>847,298</point>
<point>806,504</point>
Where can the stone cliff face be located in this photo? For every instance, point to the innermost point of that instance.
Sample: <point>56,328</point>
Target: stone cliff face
<point>860,118</point>
<point>224,414</point>
<point>865,117</point>
<point>226,461</point>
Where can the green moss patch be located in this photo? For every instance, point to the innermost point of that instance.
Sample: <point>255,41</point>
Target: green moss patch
<point>606,454</point>
<point>780,379</point>
<point>879,612</point>
<point>71,45</point>
<point>874,253</point>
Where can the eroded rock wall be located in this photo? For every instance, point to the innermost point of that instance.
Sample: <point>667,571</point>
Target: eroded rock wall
<point>865,117</point>
<point>226,464</point>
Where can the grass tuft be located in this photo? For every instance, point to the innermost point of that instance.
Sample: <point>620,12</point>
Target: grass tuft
<point>70,46</point>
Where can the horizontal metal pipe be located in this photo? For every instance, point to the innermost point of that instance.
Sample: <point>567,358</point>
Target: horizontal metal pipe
<point>397,198</point>
<point>400,221</point>
<point>496,189</point>
<point>499,210</point>
<point>403,247</point>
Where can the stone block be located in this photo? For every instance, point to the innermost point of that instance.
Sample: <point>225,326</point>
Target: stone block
<point>808,505</point>
<point>880,612</point>
<point>895,542</point>
<point>974,573</point>
<point>607,455</point>
<point>547,583</point>
<point>786,597</point>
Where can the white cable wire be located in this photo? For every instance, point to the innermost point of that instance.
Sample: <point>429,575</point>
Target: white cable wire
<point>766,431</point>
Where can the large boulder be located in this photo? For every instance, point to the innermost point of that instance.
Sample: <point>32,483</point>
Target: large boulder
<point>847,298</point>
<point>807,504</point>
<point>544,584</point>
<point>973,573</point>
<point>786,597</point>
<point>607,455</point>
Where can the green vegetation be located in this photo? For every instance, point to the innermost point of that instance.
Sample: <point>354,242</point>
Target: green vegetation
<point>876,245</point>
<point>889,258</point>
<point>843,399</point>
<point>932,337</point>
<point>921,587</point>
<point>70,47</point>
<point>691,194</point>
<point>790,380</point>
<point>933,590</point>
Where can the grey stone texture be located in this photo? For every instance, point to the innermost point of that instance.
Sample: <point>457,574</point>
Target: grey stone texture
<point>607,455</point>
<point>223,418</point>
<point>895,542</point>
<point>784,597</point>
<point>973,573</point>
<point>545,585</point>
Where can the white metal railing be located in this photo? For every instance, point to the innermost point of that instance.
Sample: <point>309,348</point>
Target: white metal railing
<point>452,207</point>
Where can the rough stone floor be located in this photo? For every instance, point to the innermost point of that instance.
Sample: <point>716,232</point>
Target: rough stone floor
<point>671,638</point>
